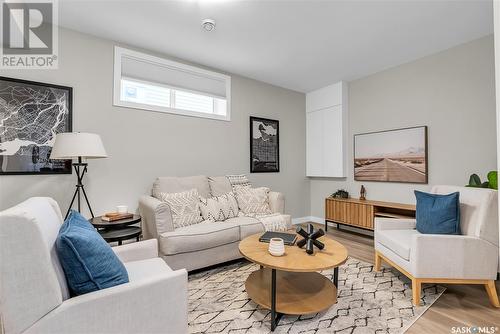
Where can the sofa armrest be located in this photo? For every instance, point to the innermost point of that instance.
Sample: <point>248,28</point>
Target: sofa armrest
<point>288,220</point>
<point>453,256</point>
<point>277,202</point>
<point>156,216</point>
<point>394,224</point>
<point>157,304</point>
<point>137,251</point>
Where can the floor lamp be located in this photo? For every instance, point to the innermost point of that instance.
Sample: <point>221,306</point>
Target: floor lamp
<point>79,146</point>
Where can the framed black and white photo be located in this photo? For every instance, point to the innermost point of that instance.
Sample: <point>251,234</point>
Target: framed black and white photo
<point>264,145</point>
<point>31,114</point>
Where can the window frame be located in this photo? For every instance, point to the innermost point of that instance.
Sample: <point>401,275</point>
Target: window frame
<point>120,52</point>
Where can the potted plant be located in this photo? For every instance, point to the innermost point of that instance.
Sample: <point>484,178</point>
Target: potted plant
<point>492,183</point>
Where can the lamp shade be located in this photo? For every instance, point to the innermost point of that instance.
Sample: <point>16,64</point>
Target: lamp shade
<point>71,145</point>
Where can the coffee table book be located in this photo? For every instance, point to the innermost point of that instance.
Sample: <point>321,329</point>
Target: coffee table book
<point>288,238</point>
<point>111,217</point>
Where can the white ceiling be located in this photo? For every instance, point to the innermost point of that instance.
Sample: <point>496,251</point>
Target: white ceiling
<point>301,45</point>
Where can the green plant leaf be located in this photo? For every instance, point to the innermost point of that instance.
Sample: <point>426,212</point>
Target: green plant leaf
<point>474,180</point>
<point>493,179</point>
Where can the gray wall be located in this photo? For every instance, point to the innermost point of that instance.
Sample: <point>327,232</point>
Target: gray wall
<point>452,92</point>
<point>143,145</point>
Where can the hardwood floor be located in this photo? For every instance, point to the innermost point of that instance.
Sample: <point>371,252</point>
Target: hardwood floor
<point>459,306</point>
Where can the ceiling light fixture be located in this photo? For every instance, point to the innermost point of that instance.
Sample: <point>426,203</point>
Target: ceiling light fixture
<point>208,24</point>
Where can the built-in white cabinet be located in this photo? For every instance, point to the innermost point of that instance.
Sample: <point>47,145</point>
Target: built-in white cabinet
<point>326,131</point>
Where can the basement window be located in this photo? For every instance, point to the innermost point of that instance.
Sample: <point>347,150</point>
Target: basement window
<point>151,83</point>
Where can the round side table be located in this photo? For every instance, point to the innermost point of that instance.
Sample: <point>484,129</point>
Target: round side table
<point>118,230</point>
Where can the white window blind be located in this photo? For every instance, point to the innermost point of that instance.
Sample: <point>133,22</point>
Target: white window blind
<point>140,92</point>
<point>151,83</point>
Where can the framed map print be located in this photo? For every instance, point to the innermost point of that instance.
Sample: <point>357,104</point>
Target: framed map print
<point>31,114</point>
<point>264,145</point>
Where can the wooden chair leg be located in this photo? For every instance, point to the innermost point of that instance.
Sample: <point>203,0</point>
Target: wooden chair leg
<point>492,293</point>
<point>416,286</point>
<point>378,261</point>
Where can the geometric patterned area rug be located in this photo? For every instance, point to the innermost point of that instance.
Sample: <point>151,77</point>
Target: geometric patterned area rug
<point>368,302</point>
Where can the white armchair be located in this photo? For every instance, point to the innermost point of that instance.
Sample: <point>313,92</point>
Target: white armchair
<point>34,295</point>
<point>470,258</point>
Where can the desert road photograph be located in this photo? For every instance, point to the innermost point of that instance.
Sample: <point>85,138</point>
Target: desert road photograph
<point>389,170</point>
<point>392,156</point>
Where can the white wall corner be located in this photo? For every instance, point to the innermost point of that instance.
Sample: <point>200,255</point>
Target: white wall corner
<point>496,15</point>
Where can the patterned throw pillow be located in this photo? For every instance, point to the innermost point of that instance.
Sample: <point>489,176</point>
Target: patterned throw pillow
<point>219,208</point>
<point>184,207</point>
<point>253,200</point>
<point>238,180</point>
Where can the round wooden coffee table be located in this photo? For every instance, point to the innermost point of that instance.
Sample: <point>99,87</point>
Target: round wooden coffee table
<point>291,284</point>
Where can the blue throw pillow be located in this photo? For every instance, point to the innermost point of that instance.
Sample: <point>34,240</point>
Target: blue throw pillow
<point>438,214</point>
<point>88,261</point>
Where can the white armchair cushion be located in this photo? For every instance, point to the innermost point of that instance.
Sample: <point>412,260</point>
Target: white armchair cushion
<point>144,269</point>
<point>136,251</point>
<point>399,241</point>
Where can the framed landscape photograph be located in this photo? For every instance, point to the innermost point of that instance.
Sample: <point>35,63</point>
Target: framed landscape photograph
<point>392,156</point>
<point>264,145</point>
<point>31,114</point>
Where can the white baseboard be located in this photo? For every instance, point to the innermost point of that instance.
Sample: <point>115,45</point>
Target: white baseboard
<point>301,220</point>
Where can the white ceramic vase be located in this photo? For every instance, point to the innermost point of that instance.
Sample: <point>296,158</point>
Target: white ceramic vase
<point>276,247</point>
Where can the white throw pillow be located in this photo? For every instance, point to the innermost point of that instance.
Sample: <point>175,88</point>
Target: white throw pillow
<point>184,207</point>
<point>238,180</point>
<point>219,208</point>
<point>253,200</point>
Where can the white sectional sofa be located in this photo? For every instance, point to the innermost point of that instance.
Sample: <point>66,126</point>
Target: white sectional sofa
<point>204,244</point>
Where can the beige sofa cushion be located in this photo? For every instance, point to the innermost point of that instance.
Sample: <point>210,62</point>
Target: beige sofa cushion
<point>399,241</point>
<point>248,225</point>
<point>205,235</point>
<point>180,184</point>
<point>219,185</point>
